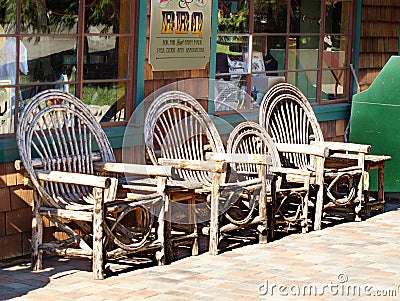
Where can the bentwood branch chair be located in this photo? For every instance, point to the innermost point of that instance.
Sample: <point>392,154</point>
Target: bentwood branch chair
<point>288,117</point>
<point>288,201</point>
<point>72,168</point>
<point>179,132</point>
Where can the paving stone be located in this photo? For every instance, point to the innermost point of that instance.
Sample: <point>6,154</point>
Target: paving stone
<point>365,253</point>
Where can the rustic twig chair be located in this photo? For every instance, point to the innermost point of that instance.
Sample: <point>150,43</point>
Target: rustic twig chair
<point>250,185</point>
<point>69,161</point>
<point>288,203</point>
<point>289,118</point>
<point>178,131</point>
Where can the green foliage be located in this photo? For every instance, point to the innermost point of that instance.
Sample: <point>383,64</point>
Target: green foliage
<point>234,22</point>
<point>100,95</point>
<point>57,16</point>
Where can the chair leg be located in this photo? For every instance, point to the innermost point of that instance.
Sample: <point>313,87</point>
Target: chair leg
<point>271,212</point>
<point>262,208</point>
<point>98,220</point>
<point>37,235</point>
<point>365,180</point>
<point>164,227</point>
<point>359,197</point>
<point>193,223</point>
<point>164,233</point>
<point>319,208</point>
<point>214,224</point>
<point>304,228</point>
<point>214,237</point>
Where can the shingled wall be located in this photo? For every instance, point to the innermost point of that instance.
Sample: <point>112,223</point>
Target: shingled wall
<point>379,37</point>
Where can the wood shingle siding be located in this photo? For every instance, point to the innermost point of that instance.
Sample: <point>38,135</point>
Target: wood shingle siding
<point>379,37</point>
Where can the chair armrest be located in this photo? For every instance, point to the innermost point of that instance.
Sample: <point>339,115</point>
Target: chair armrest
<point>136,169</point>
<point>316,150</point>
<point>212,166</point>
<point>74,178</point>
<point>347,147</point>
<point>240,158</point>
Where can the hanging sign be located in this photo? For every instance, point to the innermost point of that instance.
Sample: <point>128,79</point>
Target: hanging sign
<point>180,32</point>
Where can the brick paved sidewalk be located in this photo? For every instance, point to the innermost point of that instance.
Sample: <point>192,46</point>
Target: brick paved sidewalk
<point>349,261</point>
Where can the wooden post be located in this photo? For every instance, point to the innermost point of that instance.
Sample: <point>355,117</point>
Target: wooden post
<point>357,209</point>
<point>381,184</point>
<point>37,234</point>
<point>162,236</point>
<point>262,204</point>
<point>193,222</point>
<point>271,214</point>
<point>367,195</point>
<point>98,219</point>
<point>304,228</point>
<point>319,180</point>
<point>214,237</point>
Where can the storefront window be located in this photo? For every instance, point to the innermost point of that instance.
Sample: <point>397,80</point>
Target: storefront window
<point>303,42</point>
<point>80,46</point>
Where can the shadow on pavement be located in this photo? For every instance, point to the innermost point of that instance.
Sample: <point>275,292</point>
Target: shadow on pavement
<point>17,280</point>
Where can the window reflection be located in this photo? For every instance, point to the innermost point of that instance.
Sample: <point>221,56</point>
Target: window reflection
<point>107,102</point>
<point>334,84</point>
<point>306,81</point>
<point>305,42</point>
<point>305,16</point>
<point>233,16</point>
<point>270,16</point>
<point>48,51</point>
<point>337,18</point>
<point>303,52</point>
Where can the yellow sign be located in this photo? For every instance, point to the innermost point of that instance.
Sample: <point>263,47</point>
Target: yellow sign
<point>180,32</point>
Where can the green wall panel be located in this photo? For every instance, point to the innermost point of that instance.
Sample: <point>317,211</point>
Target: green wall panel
<point>375,120</point>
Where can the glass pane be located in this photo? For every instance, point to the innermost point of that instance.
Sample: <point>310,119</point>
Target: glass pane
<point>10,96</point>
<point>273,50</point>
<point>107,57</point>
<point>26,93</point>
<point>38,16</point>
<point>9,9</point>
<point>306,81</point>
<point>262,83</point>
<point>233,16</point>
<point>112,16</point>
<point>303,52</point>
<point>337,16</point>
<point>229,95</point>
<point>306,16</point>
<point>335,53</point>
<point>270,16</point>
<point>48,59</point>
<point>7,106</point>
<point>106,101</point>
<point>333,84</point>
<point>230,58</point>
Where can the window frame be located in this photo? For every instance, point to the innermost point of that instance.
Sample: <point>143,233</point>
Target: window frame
<point>320,69</point>
<point>129,80</point>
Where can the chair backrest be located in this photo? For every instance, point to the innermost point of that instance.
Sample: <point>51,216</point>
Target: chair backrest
<point>250,138</point>
<point>57,132</point>
<point>177,127</point>
<point>288,117</point>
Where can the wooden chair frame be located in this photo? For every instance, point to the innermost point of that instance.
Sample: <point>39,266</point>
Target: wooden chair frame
<point>180,133</point>
<point>289,118</point>
<point>292,186</point>
<point>72,168</point>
